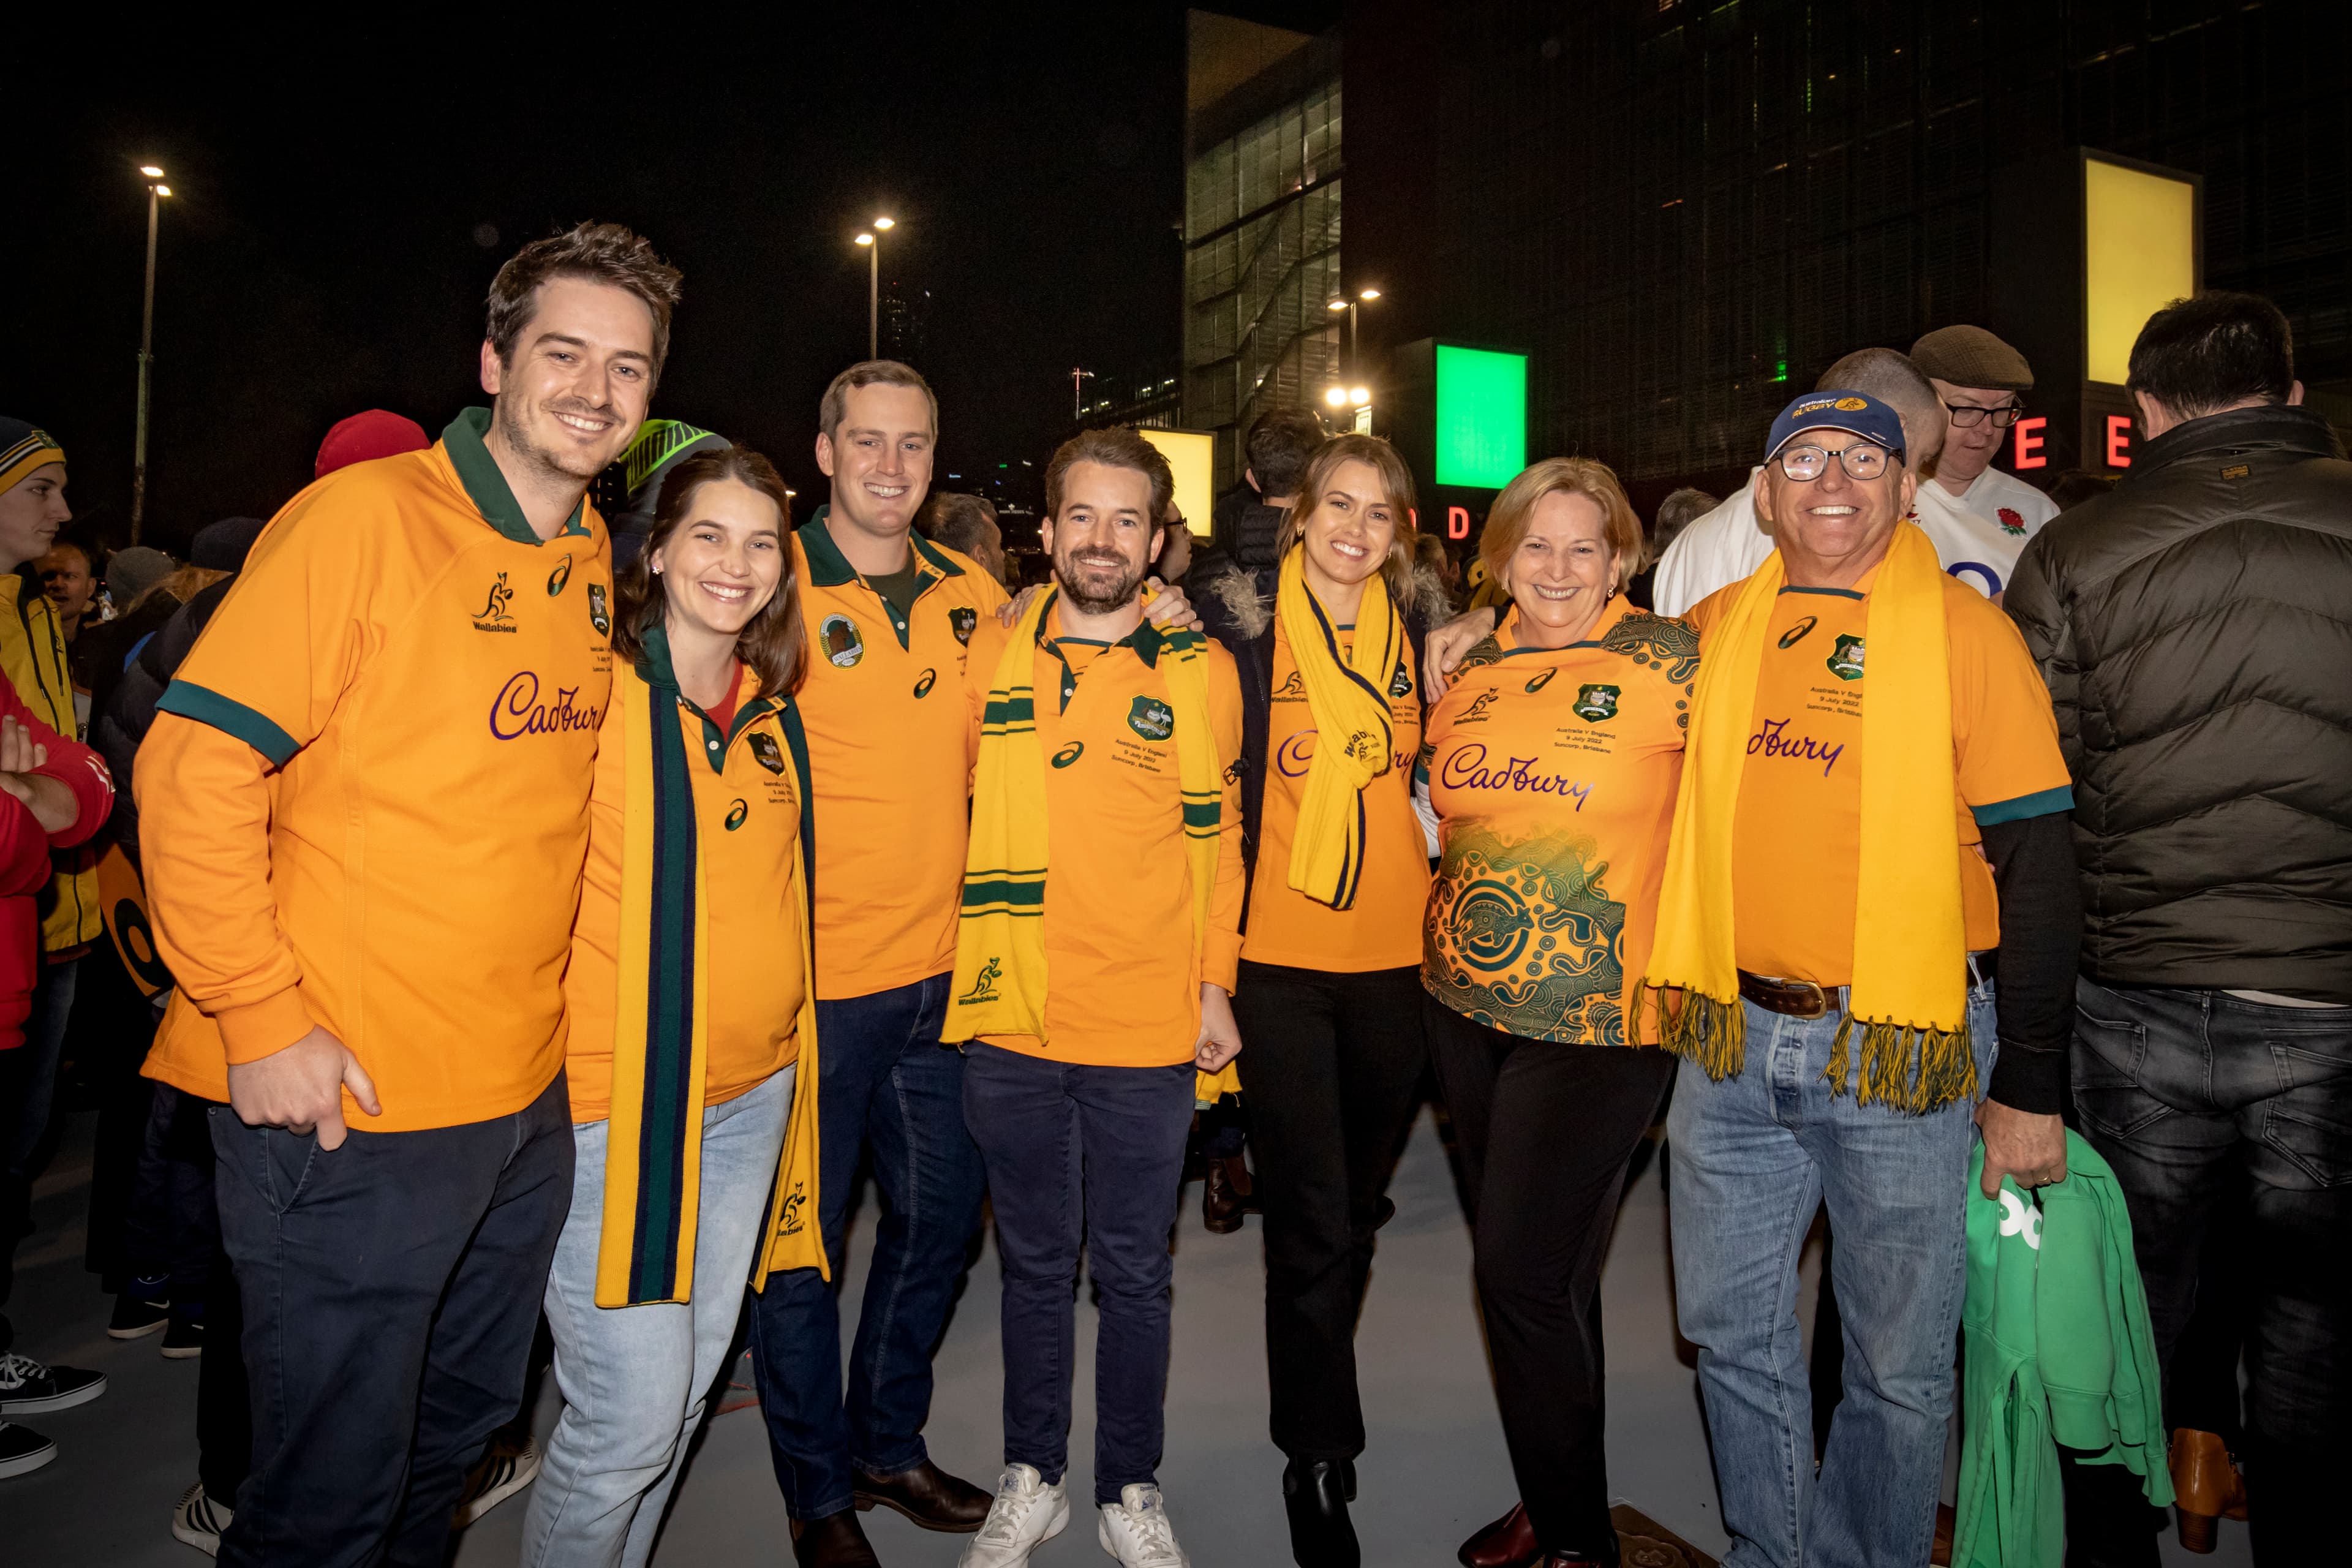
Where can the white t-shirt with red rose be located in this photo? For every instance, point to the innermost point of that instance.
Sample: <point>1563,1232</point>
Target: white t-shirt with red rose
<point>1996,515</point>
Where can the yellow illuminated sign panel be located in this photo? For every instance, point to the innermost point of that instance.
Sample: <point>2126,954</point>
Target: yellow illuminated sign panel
<point>2139,254</point>
<point>1193,454</point>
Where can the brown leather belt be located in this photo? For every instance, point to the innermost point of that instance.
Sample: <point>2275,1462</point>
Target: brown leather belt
<point>1794,999</point>
<point>1803,999</point>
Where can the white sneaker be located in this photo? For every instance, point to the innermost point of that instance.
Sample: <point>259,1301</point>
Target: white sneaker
<point>1136,1531</point>
<point>1026,1514</point>
<point>199,1522</point>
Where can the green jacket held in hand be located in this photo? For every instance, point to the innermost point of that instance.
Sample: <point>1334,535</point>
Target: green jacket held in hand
<point>2059,1353</point>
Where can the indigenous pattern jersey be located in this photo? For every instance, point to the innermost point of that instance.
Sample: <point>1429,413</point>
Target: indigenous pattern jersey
<point>747,821</point>
<point>1553,773</point>
<point>892,703</point>
<point>1383,929</point>
<point>425,676</point>
<point>1121,989</point>
<point>1797,836</point>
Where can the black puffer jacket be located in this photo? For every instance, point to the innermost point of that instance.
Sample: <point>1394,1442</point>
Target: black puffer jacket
<point>2194,626</point>
<point>130,712</point>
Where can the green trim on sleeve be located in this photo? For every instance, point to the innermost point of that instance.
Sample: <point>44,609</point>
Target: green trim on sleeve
<point>206,706</point>
<point>2041,803</point>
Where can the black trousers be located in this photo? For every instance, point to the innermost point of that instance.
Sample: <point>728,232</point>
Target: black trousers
<point>1333,1067</point>
<point>2209,1106</point>
<point>389,1288</point>
<point>1545,1132</point>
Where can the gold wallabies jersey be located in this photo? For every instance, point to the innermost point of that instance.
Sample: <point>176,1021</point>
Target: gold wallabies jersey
<point>893,720</point>
<point>404,687</point>
<point>1553,771</point>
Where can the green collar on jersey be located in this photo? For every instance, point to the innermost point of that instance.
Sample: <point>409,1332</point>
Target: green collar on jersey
<point>488,488</point>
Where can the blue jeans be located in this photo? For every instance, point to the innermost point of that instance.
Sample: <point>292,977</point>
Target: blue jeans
<point>390,1289</point>
<point>1753,1157</point>
<point>1092,1159</point>
<point>634,1377</point>
<point>2194,1097</point>
<point>890,1089</point>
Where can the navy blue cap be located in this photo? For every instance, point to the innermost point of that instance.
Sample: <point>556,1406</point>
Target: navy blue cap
<point>1854,412</point>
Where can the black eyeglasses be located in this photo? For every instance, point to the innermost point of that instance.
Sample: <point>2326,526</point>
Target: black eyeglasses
<point>1860,461</point>
<point>1966,414</point>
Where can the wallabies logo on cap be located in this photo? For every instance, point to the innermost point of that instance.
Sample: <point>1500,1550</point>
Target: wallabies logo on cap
<point>1851,404</point>
<point>599,616</point>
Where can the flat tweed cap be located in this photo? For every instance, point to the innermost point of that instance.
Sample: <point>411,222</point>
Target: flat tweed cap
<point>1970,356</point>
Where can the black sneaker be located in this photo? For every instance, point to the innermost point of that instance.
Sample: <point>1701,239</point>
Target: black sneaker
<point>185,1340</point>
<point>138,1312</point>
<point>23,1450</point>
<point>29,1388</point>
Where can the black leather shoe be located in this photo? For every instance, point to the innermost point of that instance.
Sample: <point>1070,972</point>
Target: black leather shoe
<point>926,1494</point>
<point>1226,1194</point>
<point>1316,1495</point>
<point>836,1541</point>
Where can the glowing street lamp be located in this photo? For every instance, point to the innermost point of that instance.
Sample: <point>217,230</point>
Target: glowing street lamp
<point>1341,302</point>
<point>156,190</point>
<point>872,241</point>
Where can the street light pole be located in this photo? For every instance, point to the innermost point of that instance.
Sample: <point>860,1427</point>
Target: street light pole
<point>1078,379</point>
<point>155,191</point>
<point>873,243</point>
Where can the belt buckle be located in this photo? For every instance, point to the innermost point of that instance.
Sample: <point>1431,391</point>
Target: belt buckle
<point>1814,1000</point>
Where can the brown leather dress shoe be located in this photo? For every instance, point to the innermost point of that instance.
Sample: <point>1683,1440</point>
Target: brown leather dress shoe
<point>926,1494</point>
<point>2207,1486</point>
<point>1508,1542</point>
<point>1226,1194</point>
<point>836,1541</point>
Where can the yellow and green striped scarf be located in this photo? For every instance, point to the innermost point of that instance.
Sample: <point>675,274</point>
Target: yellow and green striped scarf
<point>1000,984</point>
<point>653,1169</point>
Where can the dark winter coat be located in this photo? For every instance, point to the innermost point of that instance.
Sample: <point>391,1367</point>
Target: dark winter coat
<point>2194,626</point>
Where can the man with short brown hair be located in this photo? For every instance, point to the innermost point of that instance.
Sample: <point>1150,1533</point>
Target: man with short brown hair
<point>365,816</point>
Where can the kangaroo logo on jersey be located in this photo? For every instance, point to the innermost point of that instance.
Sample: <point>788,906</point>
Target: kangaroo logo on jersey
<point>961,621</point>
<point>599,615</point>
<point>1292,689</point>
<point>1540,682</point>
<point>766,752</point>
<point>923,686</point>
<point>1476,712</point>
<point>1845,658</point>
<point>1401,683</point>
<point>983,984</point>
<point>843,646</point>
<point>1151,719</point>
<point>737,814</point>
<point>788,1220</point>
<point>492,616</point>
<point>1069,754</point>
<point>559,576</point>
<point>1596,703</point>
<point>1796,634</point>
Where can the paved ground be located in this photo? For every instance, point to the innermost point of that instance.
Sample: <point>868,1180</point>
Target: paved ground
<point>1435,1469</point>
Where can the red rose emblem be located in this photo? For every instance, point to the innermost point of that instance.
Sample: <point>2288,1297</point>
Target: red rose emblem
<point>2010,519</point>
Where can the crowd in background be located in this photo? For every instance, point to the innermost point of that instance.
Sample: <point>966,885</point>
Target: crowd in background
<point>833,847</point>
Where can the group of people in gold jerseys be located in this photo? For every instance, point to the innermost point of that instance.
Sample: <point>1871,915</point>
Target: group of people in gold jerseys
<point>556,938</point>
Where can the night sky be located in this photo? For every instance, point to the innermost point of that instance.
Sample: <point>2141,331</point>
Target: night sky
<point>325,248</point>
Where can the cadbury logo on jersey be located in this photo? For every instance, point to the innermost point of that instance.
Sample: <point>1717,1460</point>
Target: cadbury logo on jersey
<point>517,711</point>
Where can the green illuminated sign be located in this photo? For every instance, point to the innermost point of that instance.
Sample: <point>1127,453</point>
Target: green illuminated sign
<point>1481,417</point>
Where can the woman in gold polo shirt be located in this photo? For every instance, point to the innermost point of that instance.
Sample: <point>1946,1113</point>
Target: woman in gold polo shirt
<point>692,1053</point>
<point>1327,645</point>
<point>1551,763</point>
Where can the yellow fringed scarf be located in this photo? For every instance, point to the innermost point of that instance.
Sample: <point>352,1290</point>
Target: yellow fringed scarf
<point>1910,990</point>
<point>1000,983</point>
<point>1355,739</point>
<point>653,1169</point>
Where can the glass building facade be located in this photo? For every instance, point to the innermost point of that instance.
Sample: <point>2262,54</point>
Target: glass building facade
<point>1263,183</point>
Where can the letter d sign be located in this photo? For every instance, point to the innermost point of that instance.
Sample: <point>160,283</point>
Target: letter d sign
<point>1458,523</point>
